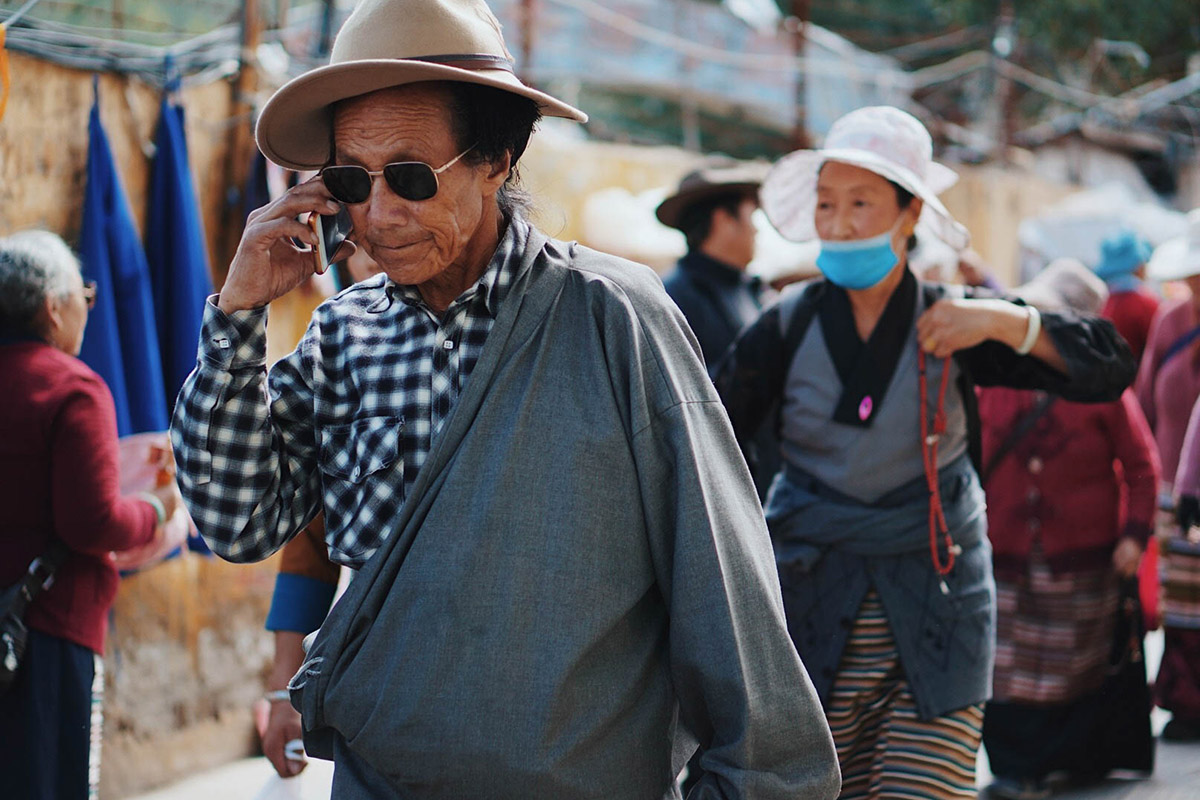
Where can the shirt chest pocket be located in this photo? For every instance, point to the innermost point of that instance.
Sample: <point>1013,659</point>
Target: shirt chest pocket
<point>358,450</point>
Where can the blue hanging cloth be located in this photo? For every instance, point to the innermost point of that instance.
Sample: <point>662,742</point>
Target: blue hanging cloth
<point>121,339</point>
<point>175,248</point>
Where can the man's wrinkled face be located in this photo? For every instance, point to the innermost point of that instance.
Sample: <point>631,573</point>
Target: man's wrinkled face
<point>411,241</point>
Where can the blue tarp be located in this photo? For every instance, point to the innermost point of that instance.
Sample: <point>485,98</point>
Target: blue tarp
<point>121,340</point>
<point>176,250</point>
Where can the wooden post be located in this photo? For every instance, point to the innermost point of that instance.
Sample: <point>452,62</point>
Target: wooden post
<point>241,140</point>
<point>528,19</point>
<point>799,23</point>
<point>1004,44</point>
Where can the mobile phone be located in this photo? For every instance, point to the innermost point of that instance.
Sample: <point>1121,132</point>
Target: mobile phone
<point>331,231</point>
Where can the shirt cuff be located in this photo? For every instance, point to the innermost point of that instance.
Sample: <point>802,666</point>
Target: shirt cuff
<point>300,604</point>
<point>234,340</point>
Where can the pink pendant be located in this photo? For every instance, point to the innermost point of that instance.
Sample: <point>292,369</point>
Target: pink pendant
<point>865,408</point>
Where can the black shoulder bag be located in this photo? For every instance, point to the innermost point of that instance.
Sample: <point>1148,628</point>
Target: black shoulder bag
<point>15,600</point>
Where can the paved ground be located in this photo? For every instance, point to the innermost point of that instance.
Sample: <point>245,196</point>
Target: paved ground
<point>1176,775</point>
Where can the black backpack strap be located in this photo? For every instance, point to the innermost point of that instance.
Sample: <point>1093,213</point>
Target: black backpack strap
<point>751,377</point>
<point>1179,345</point>
<point>1020,429</point>
<point>38,576</point>
<point>800,316</point>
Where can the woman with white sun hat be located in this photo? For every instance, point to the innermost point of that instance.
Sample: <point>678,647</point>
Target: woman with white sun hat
<point>1169,387</point>
<point>877,515</point>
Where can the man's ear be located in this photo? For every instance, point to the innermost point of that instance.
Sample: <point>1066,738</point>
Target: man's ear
<point>498,173</point>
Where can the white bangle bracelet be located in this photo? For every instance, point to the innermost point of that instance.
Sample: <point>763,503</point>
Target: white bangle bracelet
<point>1033,329</point>
<point>160,511</point>
<point>278,696</point>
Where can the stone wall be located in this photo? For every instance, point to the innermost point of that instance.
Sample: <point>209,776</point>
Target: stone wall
<point>186,658</point>
<point>187,651</point>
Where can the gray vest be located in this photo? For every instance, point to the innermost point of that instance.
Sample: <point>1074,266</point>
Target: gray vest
<point>865,463</point>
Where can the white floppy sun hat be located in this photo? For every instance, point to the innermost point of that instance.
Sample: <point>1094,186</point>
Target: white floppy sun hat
<point>387,43</point>
<point>883,139</point>
<point>1178,258</point>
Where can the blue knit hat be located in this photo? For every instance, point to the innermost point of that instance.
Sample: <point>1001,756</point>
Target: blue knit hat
<point>1121,254</point>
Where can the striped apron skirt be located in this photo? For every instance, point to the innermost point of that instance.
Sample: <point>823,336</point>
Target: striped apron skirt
<point>1054,633</point>
<point>884,748</point>
<point>1177,687</point>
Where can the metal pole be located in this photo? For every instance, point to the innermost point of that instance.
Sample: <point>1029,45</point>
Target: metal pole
<point>325,42</point>
<point>689,108</point>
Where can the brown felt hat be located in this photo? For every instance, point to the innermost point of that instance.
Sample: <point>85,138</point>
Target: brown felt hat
<point>708,182</point>
<point>388,43</point>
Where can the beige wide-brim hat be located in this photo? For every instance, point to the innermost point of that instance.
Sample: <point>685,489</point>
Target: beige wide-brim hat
<point>706,182</point>
<point>1178,258</point>
<point>885,140</point>
<point>387,43</point>
<point>1067,284</point>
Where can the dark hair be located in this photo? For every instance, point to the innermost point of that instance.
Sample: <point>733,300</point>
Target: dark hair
<point>497,123</point>
<point>696,219</point>
<point>904,199</point>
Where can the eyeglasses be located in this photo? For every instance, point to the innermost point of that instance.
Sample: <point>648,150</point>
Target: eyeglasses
<point>412,180</point>
<point>89,294</point>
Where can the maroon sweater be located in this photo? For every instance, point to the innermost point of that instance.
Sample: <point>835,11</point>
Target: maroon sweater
<point>58,476</point>
<point>1086,475</point>
<point>1132,313</point>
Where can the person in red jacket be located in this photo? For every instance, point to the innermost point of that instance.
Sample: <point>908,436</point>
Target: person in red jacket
<point>58,480</point>
<point>1054,517</point>
<point>1130,305</point>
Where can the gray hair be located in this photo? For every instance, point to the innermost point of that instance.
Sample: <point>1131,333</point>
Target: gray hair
<point>34,265</point>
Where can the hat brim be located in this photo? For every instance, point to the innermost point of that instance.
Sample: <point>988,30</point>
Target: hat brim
<point>670,211</point>
<point>1174,260</point>
<point>294,128</point>
<point>789,193</point>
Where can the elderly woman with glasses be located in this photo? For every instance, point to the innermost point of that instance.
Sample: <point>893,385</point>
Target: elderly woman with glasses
<point>58,486</point>
<point>877,515</point>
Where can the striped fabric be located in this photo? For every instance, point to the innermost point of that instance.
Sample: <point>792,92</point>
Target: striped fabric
<point>96,734</point>
<point>1179,571</point>
<point>1053,634</point>
<point>885,749</point>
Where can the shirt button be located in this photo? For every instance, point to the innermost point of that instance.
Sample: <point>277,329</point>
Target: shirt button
<point>1033,495</point>
<point>357,472</point>
<point>1035,465</point>
<point>1035,525</point>
<point>448,344</point>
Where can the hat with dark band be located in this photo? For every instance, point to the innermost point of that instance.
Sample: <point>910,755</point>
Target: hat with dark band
<point>387,43</point>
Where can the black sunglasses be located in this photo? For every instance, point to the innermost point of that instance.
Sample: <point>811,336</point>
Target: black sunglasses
<point>412,180</point>
<point>89,293</point>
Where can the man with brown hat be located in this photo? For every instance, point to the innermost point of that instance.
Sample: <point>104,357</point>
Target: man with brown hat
<point>563,579</point>
<point>712,208</point>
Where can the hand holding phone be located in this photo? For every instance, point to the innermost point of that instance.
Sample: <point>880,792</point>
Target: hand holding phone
<point>331,231</point>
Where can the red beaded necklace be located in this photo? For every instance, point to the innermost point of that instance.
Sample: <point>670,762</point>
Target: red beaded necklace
<point>929,449</point>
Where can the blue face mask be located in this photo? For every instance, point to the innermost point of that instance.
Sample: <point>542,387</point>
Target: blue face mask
<point>858,264</point>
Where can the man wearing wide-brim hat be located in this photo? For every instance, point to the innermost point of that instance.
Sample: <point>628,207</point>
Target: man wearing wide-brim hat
<point>712,207</point>
<point>563,575</point>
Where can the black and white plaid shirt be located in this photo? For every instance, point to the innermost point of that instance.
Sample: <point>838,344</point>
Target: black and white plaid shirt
<point>351,414</point>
